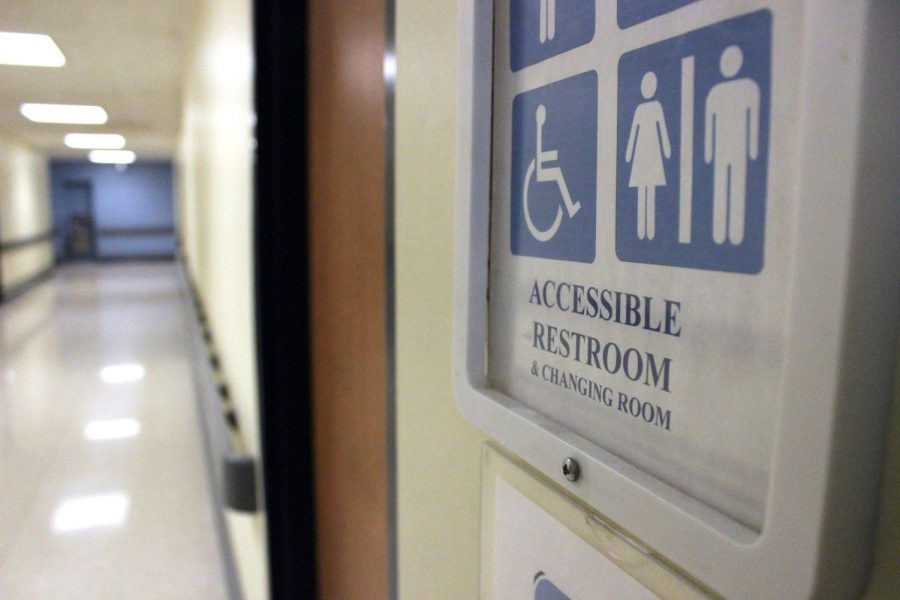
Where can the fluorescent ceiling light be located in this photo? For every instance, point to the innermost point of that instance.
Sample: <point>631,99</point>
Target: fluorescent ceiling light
<point>76,114</point>
<point>29,50</point>
<point>103,510</point>
<point>113,429</point>
<point>112,157</point>
<point>105,141</point>
<point>122,373</point>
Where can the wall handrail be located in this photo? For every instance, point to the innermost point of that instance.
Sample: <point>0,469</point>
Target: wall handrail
<point>37,238</point>
<point>234,470</point>
<point>135,231</point>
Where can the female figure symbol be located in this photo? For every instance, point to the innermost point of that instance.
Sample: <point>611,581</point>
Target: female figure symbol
<point>648,142</point>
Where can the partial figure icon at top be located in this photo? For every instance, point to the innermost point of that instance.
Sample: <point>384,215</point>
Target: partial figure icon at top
<point>731,138</point>
<point>542,29</point>
<point>547,20</point>
<point>648,143</point>
<point>544,173</point>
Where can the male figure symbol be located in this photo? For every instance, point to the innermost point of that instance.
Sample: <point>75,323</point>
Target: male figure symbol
<point>731,136</point>
<point>546,174</point>
<point>547,21</point>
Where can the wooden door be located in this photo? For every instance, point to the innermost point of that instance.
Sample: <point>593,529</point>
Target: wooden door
<point>346,142</point>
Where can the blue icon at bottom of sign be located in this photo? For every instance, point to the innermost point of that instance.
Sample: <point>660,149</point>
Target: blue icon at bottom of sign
<point>544,589</point>
<point>692,148</point>
<point>554,170</point>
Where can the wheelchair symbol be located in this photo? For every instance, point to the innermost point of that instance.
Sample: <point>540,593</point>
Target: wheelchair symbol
<point>544,173</point>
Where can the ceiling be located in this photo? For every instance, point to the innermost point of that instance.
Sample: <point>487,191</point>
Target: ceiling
<point>128,56</point>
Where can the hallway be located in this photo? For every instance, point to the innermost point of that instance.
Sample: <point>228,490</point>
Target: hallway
<point>106,493</point>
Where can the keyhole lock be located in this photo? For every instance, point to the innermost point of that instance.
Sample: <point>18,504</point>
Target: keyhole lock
<point>570,469</point>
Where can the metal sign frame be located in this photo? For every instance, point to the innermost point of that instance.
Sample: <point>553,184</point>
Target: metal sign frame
<point>842,318</point>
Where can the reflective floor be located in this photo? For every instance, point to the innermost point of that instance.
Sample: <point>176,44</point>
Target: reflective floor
<point>103,484</point>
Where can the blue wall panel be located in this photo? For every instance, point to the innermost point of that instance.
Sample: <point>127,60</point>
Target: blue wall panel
<point>138,198</point>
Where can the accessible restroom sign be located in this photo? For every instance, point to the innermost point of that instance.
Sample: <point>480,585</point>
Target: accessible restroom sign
<point>652,268</point>
<point>631,296</point>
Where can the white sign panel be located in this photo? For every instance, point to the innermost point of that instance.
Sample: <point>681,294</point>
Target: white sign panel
<point>657,264</point>
<point>537,557</point>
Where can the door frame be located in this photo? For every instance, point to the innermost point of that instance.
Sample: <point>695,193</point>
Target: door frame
<point>281,272</point>
<point>282,294</point>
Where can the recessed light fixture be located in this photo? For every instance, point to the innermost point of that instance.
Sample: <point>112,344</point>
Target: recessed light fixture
<point>29,50</point>
<point>97,141</point>
<point>112,429</point>
<point>112,157</point>
<point>87,512</point>
<point>121,373</point>
<point>75,114</point>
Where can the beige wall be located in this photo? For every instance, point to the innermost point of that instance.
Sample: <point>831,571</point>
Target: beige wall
<point>24,212</point>
<point>215,224</point>
<point>438,452</point>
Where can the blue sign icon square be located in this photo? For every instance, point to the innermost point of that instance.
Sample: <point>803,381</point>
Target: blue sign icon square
<point>544,589</point>
<point>539,29</point>
<point>632,12</point>
<point>554,170</point>
<point>692,148</point>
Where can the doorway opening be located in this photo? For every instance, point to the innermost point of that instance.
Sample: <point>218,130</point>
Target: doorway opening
<point>78,231</point>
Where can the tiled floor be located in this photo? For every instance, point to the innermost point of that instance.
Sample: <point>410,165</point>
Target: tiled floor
<point>103,485</point>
